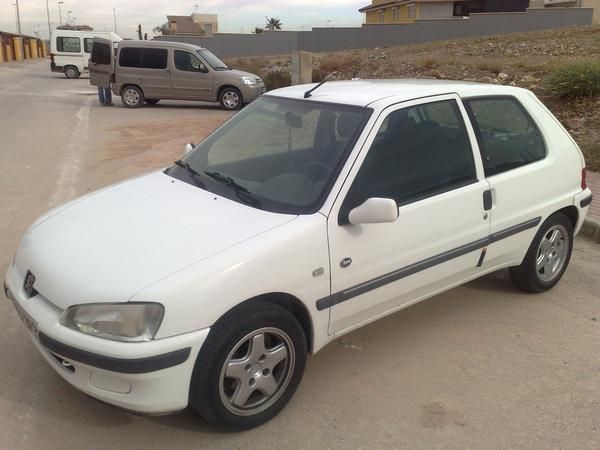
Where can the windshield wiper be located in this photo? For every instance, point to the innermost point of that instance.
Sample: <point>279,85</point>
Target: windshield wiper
<point>195,175</point>
<point>240,191</point>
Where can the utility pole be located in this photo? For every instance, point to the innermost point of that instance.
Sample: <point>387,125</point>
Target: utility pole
<point>19,30</point>
<point>48,13</point>
<point>115,19</point>
<point>60,12</point>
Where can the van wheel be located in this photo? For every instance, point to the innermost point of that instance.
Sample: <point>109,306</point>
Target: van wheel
<point>230,99</point>
<point>132,96</point>
<point>547,257</point>
<point>249,367</point>
<point>71,72</point>
<point>152,101</point>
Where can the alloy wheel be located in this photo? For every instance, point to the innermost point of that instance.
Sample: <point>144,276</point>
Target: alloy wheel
<point>552,253</point>
<point>257,371</point>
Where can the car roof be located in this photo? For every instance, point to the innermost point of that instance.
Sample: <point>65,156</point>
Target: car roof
<point>366,92</point>
<point>161,44</point>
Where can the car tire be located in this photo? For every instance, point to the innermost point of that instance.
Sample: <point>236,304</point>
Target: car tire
<point>152,101</point>
<point>249,367</point>
<point>547,257</point>
<point>231,99</point>
<point>132,96</point>
<point>71,72</point>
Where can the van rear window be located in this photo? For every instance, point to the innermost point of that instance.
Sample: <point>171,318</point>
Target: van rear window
<point>147,58</point>
<point>68,44</point>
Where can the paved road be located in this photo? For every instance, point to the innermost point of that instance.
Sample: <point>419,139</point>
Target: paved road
<point>482,366</point>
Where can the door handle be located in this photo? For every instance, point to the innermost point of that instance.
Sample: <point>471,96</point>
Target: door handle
<point>487,200</point>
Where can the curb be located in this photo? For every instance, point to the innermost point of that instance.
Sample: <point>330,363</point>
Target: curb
<point>591,228</point>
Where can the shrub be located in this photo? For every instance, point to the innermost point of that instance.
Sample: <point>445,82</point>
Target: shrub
<point>580,79</point>
<point>275,80</point>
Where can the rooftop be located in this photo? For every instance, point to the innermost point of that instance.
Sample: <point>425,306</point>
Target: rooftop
<point>365,92</point>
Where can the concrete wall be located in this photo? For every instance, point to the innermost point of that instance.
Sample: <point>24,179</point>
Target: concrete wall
<point>369,36</point>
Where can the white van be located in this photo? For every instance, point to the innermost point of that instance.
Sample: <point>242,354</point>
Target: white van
<point>70,50</point>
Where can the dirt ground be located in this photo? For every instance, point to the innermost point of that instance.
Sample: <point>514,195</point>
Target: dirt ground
<point>481,366</point>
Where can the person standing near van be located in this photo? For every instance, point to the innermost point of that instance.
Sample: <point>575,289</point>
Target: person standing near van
<point>105,95</point>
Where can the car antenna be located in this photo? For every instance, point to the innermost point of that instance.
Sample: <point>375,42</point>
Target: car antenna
<point>308,93</point>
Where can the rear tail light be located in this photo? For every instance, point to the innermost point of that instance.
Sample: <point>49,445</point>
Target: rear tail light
<point>583,179</point>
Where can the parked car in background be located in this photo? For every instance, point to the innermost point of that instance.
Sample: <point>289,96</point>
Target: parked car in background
<point>70,50</point>
<point>305,216</point>
<point>149,71</point>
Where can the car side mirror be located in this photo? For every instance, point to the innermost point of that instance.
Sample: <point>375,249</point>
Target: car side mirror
<point>374,210</point>
<point>188,148</point>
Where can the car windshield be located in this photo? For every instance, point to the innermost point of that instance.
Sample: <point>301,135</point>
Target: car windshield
<point>280,155</point>
<point>212,60</point>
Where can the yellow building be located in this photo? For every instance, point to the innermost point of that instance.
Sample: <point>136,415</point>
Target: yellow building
<point>406,11</point>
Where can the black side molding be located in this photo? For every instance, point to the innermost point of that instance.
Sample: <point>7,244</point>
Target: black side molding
<point>138,365</point>
<point>362,288</point>
<point>586,201</point>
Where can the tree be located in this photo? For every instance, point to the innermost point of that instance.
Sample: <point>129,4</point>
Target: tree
<point>273,24</point>
<point>258,30</point>
<point>162,29</point>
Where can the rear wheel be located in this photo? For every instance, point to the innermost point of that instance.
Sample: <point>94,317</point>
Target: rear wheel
<point>547,257</point>
<point>71,72</point>
<point>249,367</point>
<point>152,101</point>
<point>230,99</point>
<point>132,96</point>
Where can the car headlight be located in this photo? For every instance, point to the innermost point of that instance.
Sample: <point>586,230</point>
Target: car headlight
<point>251,81</point>
<point>129,322</point>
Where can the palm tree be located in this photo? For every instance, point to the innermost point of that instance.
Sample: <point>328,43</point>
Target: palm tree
<point>273,24</point>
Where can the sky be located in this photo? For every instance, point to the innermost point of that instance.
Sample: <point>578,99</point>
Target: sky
<point>235,16</point>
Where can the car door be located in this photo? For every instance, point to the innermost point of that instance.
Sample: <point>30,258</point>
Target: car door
<point>102,62</point>
<point>422,155</point>
<point>191,78</point>
<point>518,170</point>
<point>155,73</point>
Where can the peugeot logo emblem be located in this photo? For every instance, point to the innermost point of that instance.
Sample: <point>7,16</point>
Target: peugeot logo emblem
<point>28,285</point>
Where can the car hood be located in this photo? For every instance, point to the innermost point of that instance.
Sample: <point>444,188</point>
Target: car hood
<point>117,241</point>
<point>237,74</point>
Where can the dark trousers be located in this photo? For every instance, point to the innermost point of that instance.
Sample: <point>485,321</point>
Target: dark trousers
<point>104,95</point>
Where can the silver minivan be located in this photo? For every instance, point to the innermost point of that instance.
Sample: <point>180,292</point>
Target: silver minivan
<point>148,71</point>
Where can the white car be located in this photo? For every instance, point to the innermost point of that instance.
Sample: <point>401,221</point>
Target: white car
<point>305,216</point>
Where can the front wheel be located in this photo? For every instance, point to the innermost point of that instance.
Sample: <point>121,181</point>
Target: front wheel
<point>132,96</point>
<point>230,99</point>
<point>249,367</point>
<point>547,257</point>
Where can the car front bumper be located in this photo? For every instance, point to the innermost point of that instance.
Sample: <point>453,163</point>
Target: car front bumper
<point>252,92</point>
<point>147,377</point>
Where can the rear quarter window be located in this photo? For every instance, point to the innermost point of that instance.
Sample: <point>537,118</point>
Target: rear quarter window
<point>68,44</point>
<point>130,57</point>
<point>507,135</point>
